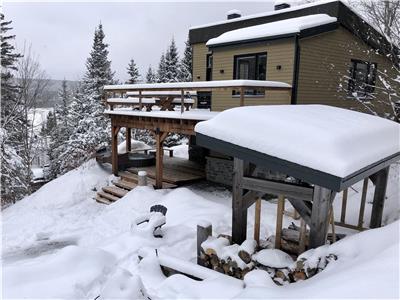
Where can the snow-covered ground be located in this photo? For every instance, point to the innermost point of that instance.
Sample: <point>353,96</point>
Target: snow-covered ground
<point>60,243</point>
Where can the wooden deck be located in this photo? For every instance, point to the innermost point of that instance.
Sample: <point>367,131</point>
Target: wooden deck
<point>177,171</point>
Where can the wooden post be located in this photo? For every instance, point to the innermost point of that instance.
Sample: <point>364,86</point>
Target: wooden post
<point>114,149</point>
<point>140,101</point>
<point>279,221</point>
<point>379,197</point>
<point>344,204</point>
<point>362,204</point>
<point>182,101</point>
<point>239,211</point>
<point>159,158</point>
<point>322,199</point>
<point>128,141</point>
<point>241,96</point>
<point>332,220</point>
<point>302,237</point>
<point>203,232</point>
<point>257,221</point>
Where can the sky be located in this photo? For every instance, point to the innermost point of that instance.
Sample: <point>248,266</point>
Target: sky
<point>61,33</point>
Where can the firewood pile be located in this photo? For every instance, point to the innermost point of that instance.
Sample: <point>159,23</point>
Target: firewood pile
<point>235,260</point>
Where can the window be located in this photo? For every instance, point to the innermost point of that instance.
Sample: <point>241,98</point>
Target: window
<point>209,67</point>
<point>251,67</point>
<point>362,78</point>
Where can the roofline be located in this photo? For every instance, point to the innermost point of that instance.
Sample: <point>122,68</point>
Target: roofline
<point>302,34</point>
<point>301,172</point>
<point>345,16</point>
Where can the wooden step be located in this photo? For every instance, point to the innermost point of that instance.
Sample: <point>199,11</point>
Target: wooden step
<point>102,200</point>
<point>116,191</point>
<point>127,185</point>
<point>107,196</point>
<point>128,176</point>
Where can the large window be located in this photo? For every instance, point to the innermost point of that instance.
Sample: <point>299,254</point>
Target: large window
<point>362,79</point>
<point>251,67</point>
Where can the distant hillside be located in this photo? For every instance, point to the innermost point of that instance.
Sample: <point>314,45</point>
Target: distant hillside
<point>50,97</point>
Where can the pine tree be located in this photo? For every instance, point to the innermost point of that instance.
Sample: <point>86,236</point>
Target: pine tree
<point>151,77</point>
<point>13,179</point>
<point>60,134</point>
<point>161,72</point>
<point>133,72</point>
<point>185,70</point>
<point>172,63</point>
<point>91,127</point>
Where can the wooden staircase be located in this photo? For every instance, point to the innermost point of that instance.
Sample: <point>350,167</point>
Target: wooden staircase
<point>128,181</point>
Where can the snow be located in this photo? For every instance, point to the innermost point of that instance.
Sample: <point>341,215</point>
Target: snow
<point>37,173</point>
<point>233,11</point>
<point>161,93</point>
<point>194,114</point>
<point>130,100</point>
<point>324,138</point>
<point>288,26</point>
<point>199,85</point>
<point>59,243</point>
<point>135,146</point>
<point>273,258</point>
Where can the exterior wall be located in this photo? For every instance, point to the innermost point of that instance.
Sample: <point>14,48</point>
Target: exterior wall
<point>199,61</point>
<point>325,60</point>
<point>278,53</point>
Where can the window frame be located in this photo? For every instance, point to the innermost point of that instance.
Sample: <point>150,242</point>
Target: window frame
<point>257,57</point>
<point>369,84</point>
<point>209,70</point>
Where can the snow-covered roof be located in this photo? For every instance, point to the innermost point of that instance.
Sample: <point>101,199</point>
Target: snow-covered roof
<point>264,14</point>
<point>268,30</point>
<point>199,85</point>
<point>160,93</point>
<point>194,114</point>
<point>130,100</point>
<point>332,140</point>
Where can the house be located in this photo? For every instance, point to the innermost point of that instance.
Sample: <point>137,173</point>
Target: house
<point>326,51</point>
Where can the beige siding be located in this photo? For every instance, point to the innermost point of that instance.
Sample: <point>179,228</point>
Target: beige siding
<point>199,61</point>
<point>278,53</point>
<point>325,60</point>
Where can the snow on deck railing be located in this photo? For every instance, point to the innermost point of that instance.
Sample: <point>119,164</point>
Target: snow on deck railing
<point>198,85</point>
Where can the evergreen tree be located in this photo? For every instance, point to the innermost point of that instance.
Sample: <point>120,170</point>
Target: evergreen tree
<point>59,136</point>
<point>91,128</point>
<point>13,179</point>
<point>133,72</point>
<point>161,72</point>
<point>151,77</point>
<point>172,63</point>
<point>185,71</point>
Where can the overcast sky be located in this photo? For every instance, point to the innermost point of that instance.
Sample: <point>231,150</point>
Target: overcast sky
<point>62,33</point>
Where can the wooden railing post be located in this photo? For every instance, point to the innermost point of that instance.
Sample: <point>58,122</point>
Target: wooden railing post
<point>279,221</point>
<point>379,197</point>
<point>128,142</point>
<point>257,221</point>
<point>114,149</point>
<point>239,211</point>
<point>182,101</point>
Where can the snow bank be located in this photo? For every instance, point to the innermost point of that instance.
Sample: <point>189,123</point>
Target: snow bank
<point>325,138</point>
<point>284,27</point>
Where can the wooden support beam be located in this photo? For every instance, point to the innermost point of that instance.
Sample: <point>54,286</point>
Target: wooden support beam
<point>362,204</point>
<point>140,101</point>
<point>322,200</point>
<point>128,139</point>
<point>159,158</point>
<point>332,220</point>
<point>304,208</point>
<point>279,221</point>
<point>182,101</point>
<point>257,221</point>
<point>239,211</point>
<point>278,188</point>
<point>302,238</point>
<point>344,206</point>
<point>114,149</point>
<point>379,197</point>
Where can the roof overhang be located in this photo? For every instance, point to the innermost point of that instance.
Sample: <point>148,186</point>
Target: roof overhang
<point>303,173</point>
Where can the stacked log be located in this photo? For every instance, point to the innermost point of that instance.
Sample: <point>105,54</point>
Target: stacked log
<point>233,260</point>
